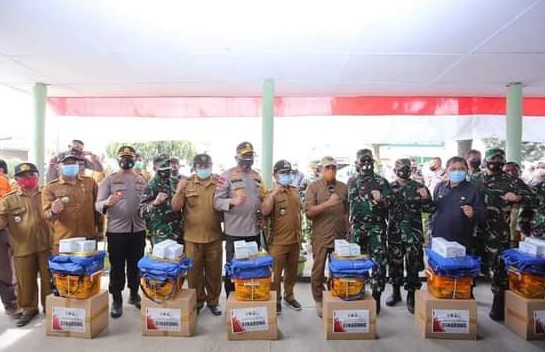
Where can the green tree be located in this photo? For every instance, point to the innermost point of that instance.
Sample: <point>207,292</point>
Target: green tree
<point>147,150</point>
<point>531,151</point>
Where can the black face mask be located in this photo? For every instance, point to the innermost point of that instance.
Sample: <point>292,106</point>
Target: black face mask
<point>474,164</point>
<point>126,163</point>
<point>246,163</point>
<point>494,166</point>
<point>164,174</point>
<point>404,173</point>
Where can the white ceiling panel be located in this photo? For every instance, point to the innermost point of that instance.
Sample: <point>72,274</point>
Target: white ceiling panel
<point>13,72</point>
<point>498,69</point>
<point>396,68</point>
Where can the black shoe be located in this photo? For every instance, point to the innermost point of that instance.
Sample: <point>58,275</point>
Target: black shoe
<point>395,297</point>
<point>25,319</point>
<point>278,308</point>
<point>117,310</point>
<point>410,301</point>
<point>215,309</point>
<point>497,313</point>
<point>136,301</point>
<point>294,304</point>
<point>376,296</point>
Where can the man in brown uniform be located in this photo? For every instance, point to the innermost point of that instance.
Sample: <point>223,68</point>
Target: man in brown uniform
<point>21,212</point>
<point>8,286</point>
<point>326,204</point>
<point>69,203</point>
<point>195,198</point>
<point>283,206</point>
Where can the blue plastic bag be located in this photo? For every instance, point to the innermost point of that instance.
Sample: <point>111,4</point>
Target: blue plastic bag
<point>163,270</point>
<point>467,265</point>
<point>523,262</point>
<point>253,268</point>
<point>350,267</point>
<point>76,265</point>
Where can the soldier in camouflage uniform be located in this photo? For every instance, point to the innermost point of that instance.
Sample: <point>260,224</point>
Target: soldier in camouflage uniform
<point>410,199</point>
<point>369,198</point>
<point>500,193</point>
<point>155,206</point>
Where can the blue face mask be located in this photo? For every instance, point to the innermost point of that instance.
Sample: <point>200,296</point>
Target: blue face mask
<point>457,176</point>
<point>284,179</point>
<point>70,170</point>
<point>203,174</point>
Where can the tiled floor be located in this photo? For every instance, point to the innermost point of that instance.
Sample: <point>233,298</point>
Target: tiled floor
<point>300,331</point>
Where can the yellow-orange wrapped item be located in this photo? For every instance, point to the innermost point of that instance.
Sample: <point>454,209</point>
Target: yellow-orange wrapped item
<point>527,285</point>
<point>446,287</point>
<point>161,290</point>
<point>252,289</point>
<point>79,287</point>
<point>348,287</point>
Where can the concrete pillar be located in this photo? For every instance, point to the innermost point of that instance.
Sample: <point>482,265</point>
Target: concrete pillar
<point>513,123</point>
<point>37,155</point>
<point>267,131</point>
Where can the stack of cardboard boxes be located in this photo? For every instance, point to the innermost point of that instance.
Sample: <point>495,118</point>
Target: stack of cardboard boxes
<point>251,310</point>
<point>81,309</point>
<point>446,310</point>
<point>167,308</point>
<point>525,302</point>
<point>348,312</point>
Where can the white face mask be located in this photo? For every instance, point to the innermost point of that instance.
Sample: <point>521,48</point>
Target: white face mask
<point>284,179</point>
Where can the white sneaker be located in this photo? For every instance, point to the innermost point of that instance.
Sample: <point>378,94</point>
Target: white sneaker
<point>319,308</point>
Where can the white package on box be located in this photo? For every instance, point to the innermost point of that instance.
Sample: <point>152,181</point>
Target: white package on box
<point>536,241</point>
<point>531,249</point>
<point>355,249</point>
<point>67,246</point>
<point>241,250</point>
<point>174,251</point>
<point>86,245</point>
<point>159,250</point>
<point>448,249</point>
<point>252,248</point>
<point>342,248</point>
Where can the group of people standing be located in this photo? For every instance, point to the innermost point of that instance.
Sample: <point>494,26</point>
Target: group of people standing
<point>468,204</point>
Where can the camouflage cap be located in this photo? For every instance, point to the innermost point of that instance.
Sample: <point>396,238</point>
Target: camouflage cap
<point>245,148</point>
<point>400,163</point>
<point>24,167</point>
<point>282,165</point>
<point>126,150</point>
<point>161,160</point>
<point>494,152</point>
<point>202,158</point>
<point>364,153</point>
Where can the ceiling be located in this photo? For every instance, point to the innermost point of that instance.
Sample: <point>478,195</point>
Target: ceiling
<point>310,48</point>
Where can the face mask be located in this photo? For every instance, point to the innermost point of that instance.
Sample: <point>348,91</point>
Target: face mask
<point>494,166</point>
<point>126,163</point>
<point>457,176</point>
<point>284,179</point>
<point>164,173</point>
<point>474,164</point>
<point>246,164</point>
<point>203,174</point>
<point>138,165</point>
<point>70,170</point>
<point>404,173</point>
<point>366,167</point>
<point>28,183</point>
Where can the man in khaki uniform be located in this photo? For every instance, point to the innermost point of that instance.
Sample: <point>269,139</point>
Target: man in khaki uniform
<point>195,198</point>
<point>283,206</point>
<point>69,203</point>
<point>326,204</point>
<point>30,235</point>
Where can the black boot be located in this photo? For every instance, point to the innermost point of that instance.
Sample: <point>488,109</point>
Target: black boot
<point>376,296</point>
<point>497,312</point>
<point>135,300</point>
<point>395,297</point>
<point>410,301</point>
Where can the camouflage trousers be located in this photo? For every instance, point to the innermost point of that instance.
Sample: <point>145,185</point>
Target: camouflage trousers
<point>496,241</point>
<point>373,242</point>
<point>405,253</point>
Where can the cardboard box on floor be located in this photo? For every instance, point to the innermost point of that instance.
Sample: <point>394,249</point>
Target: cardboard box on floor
<point>175,317</point>
<point>452,319</point>
<point>525,316</point>
<point>349,320</point>
<point>70,317</point>
<point>251,320</point>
